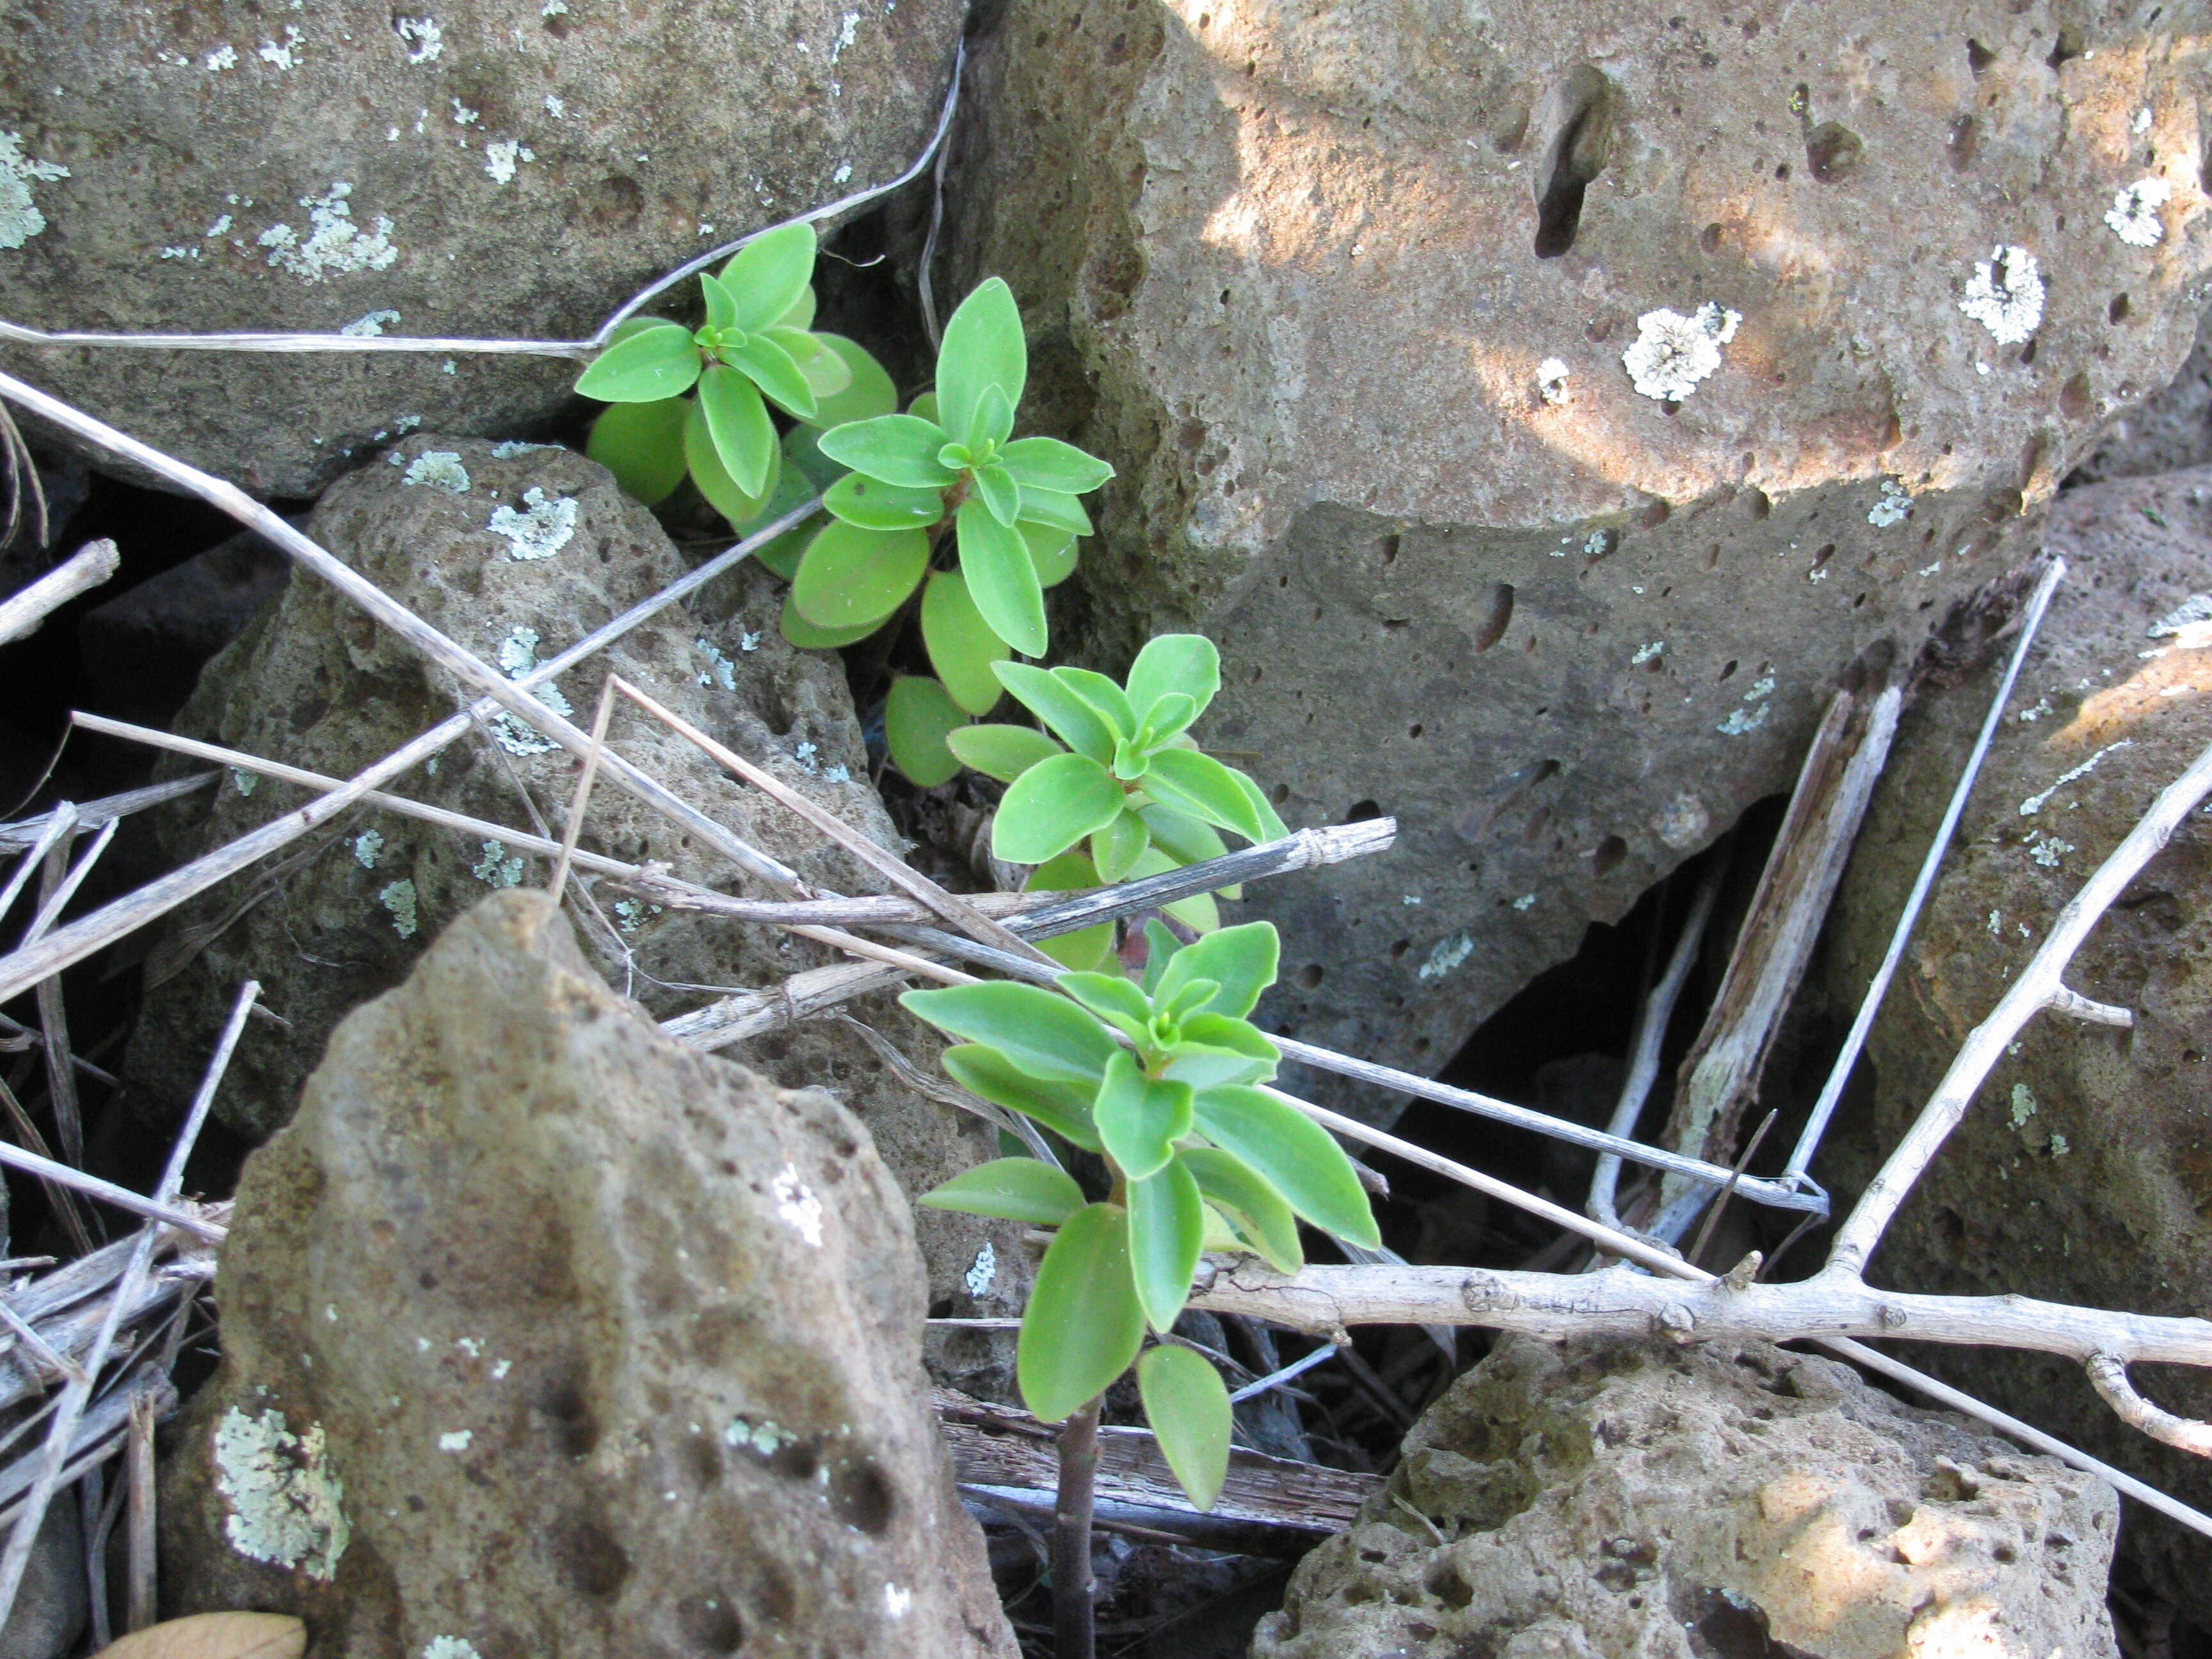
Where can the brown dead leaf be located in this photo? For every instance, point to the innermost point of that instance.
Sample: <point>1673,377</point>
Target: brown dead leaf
<point>216,1635</point>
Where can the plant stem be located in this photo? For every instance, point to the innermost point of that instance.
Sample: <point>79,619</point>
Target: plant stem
<point>1074,1591</point>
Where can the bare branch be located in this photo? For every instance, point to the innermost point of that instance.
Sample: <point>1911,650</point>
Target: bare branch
<point>26,832</point>
<point>2108,1375</point>
<point>2075,1006</point>
<point>22,611</point>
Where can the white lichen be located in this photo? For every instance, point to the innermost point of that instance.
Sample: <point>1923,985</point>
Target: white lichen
<point>978,1277</point>
<point>368,847</point>
<point>2133,215</point>
<point>1996,924</point>
<point>1895,506</point>
<point>1524,902</point>
<point>804,754</point>
<point>897,1599</point>
<point>458,1440</point>
<point>2042,707</point>
<point>1741,721</point>
<point>518,652</point>
<point>837,774</point>
<point>508,448</point>
<point>1672,352</point>
<point>2035,803</point>
<point>369,326</point>
<point>19,218</point>
<point>222,57</point>
<point>630,914</point>
<point>2189,624</point>
<point>1448,955</point>
<point>2058,1146</point>
<point>2046,850</point>
<point>463,115</point>
<point>796,1204</point>
<point>244,781</point>
<point>450,1647</point>
<point>2023,1105</point>
<point>556,107</point>
<point>719,669</point>
<point>336,246</point>
<point>517,737</point>
<point>501,160</point>
<point>1645,653</point>
<point>844,172</point>
<point>542,529</point>
<point>2005,294</point>
<point>498,867</point>
<point>424,41</point>
<point>441,469</point>
<point>768,1437</point>
<point>1552,382</point>
<point>286,1504</point>
<point>399,899</point>
<point>282,56</point>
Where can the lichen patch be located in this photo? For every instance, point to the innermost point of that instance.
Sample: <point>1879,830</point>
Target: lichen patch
<point>440,469</point>
<point>19,218</point>
<point>541,529</point>
<point>2005,294</point>
<point>501,160</point>
<point>400,898</point>
<point>335,244</point>
<point>796,1203</point>
<point>1894,506</point>
<point>2133,215</point>
<point>286,1504</point>
<point>1672,352</point>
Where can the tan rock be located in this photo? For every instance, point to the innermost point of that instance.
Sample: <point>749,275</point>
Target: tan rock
<point>546,1335</point>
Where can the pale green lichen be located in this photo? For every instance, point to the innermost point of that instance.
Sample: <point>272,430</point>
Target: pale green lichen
<point>450,1647</point>
<point>336,246</point>
<point>517,737</point>
<point>368,847</point>
<point>766,1437</point>
<point>1448,955</point>
<point>400,898</point>
<point>1895,506</point>
<point>19,218</point>
<point>244,781</point>
<point>2023,1105</point>
<point>440,469</point>
<point>541,529</point>
<point>286,1502</point>
<point>498,867</point>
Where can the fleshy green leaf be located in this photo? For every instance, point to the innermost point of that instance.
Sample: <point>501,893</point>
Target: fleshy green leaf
<point>1052,806</point>
<point>642,445</point>
<point>1167,1230</point>
<point>851,576</point>
<point>1243,960</point>
<point>1201,786</point>
<point>802,453</point>
<point>1011,1188</point>
<point>806,636</point>
<point>801,314</point>
<point>1187,663</point>
<point>983,347</point>
<point>1188,1405</point>
<point>825,371</point>
<point>721,303</point>
<point>1001,578</point>
<point>791,488</point>
<point>1049,463</point>
<point>1168,717</point>
<point>1271,827</point>
<point>1103,695</point>
<point>1049,506</point>
<point>1140,1118</point>
<point>1238,1037</point>
<point>1004,752</point>
<point>1294,1154</point>
<point>722,492</point>
<point>1083,1325</point>
<point>1063,1107</point>
<point>1203,1066</point>
<point>1188,840</point>
<point>962,647</point>
<point>657,361</point>
<point>996,488</point>
<point>1160,947</point>
<point>1074,721</point>
<point>898,449</point>
<point>1039,1032</point>
<point>1117,848</point>
<point>1051,551</point>
<point>737,422</point>
<point>924,407</point>
<point>1177,1001</point>
<point>1112,998</point>
<point>873,505</point>
<point>1087,950</point>
<point>993,420</point>
<point>917,716</point>
<point>1257,1210</point>
<point>868,391</point>
<point>767,276</point>
<point>770,367</point>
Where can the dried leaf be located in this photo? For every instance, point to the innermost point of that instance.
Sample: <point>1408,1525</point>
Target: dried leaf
<point>216,1635</point>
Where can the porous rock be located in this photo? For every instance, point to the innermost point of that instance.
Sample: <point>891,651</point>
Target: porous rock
<point>544,1334</point>
<point>2080,1172</point>
<point>343,914</point>
<point>1358,303</point>
<point>2169,431</point>
<point>1716,1499</point>
<point>475,168</point>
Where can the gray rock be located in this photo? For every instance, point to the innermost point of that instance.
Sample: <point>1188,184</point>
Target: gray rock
<point>51,1606</point>
<point>2169,431</point>
<point>480,167</point>
<point>544,1334</point>
<point>1587,1501</point>
<point>1281,267</point>
<point>343,918</point>
<point>144,647</point>
<point>2082,1172</point>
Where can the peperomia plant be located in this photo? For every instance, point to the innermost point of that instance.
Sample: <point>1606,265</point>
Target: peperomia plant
<point>1157,1079</point>
<point>1130,794</point>
<point>695,401</point>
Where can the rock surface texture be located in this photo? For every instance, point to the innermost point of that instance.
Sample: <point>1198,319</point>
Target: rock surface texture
<point>2169,431</point>
<point>1543,407</point>
<point>506,168</point>
<point>2083,1171</point>
<point>1707,1501</point>
<point>545,1335</point>
<point>343,918</point>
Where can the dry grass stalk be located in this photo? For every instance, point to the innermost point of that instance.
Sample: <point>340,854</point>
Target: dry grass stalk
<point>21,611</point>
<point>26,832</point>
<point>142,1568</point>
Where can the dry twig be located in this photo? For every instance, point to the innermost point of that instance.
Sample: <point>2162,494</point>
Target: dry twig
<point>22,611</point>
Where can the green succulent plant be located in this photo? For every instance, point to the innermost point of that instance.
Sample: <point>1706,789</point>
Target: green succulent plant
<point>1159,1078</point>
<point>696,402</point>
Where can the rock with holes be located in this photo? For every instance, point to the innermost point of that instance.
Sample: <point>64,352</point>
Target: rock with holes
<point>2169,431</point>
<point>1544,406</point>
<point>544,1334</point>
<point>515,551</point>
<point>471,168</point>
<point>1683,1503</point>
<point>2082,1172</point>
